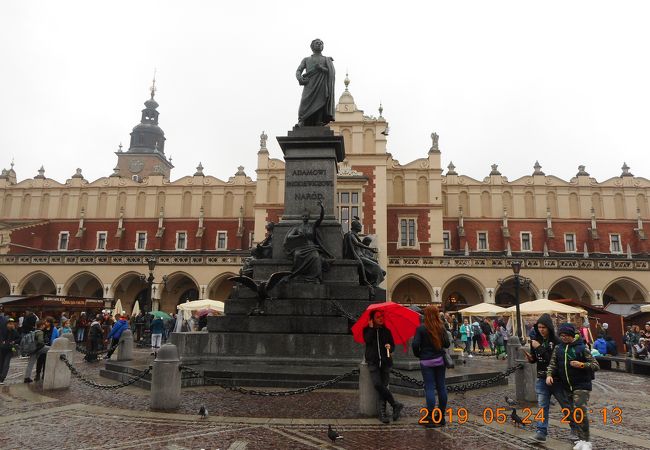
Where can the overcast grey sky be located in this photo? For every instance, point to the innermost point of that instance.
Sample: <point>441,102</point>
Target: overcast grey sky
<point>504,82</point>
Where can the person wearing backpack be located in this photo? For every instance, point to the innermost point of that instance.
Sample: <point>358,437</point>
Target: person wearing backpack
<point>573,366</point>
<point>114,336</point>
<point>476,336</point>
<point>36,348</point>
<point>9,339</point>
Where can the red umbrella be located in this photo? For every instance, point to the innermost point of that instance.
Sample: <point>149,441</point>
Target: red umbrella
<point>401,321</point>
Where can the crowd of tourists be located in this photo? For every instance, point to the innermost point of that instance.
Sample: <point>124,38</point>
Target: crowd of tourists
<point>28,336</point>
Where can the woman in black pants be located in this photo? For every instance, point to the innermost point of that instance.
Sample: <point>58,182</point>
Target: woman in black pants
<point>379,345</point>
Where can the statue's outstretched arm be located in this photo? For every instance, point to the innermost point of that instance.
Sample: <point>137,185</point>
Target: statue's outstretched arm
<point>322,214</point>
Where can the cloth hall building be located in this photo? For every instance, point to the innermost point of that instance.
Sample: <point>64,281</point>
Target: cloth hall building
<point>443,237</point>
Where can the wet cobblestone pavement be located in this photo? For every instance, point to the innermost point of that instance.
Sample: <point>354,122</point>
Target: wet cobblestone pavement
<point>87,418</point>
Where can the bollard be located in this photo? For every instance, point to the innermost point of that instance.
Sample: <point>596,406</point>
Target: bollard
<point>367,392</point>
<point>166,379</point>
<point>70,337</point>
<point>125,347</point>
<point>57,375</point>
<point>526,378</point>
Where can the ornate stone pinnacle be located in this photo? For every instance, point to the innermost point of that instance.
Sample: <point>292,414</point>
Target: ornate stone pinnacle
<point>78,174</point>
<point>450,169</point>
<point>582,172</point>
<point>495,170</point>
<point>538,169</point>
<point>116,171</point>
<point>381,110</point>
<point>434,142</point>
<point>41,173</point>
<point>346,81</point>
<point>263,138</point>
<point>626,171</point>
<point>199,170</point>
<point>240,171</point>
<point>119,148</point>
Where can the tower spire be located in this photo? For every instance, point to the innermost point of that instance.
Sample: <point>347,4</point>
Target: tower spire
<point>153,84</point>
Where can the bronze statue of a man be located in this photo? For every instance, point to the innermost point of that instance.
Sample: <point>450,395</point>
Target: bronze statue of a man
<point>317,102</point>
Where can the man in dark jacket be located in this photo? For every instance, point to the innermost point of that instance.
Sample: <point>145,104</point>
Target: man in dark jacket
<point>9,340</point>
<point>29,322</point>
<point>379,345</point>
<point>572,364</point>
<point>543,342</point>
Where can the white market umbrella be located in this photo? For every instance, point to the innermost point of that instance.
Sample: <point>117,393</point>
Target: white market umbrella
<point>118,308</point>
<point>545,305</point>
<point>136,309</point>
<point>482,309</point>
<point>645,308</point>
<point>202,304</point>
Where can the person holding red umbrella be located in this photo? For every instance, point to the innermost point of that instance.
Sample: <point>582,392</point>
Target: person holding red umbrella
<point>379,345</point>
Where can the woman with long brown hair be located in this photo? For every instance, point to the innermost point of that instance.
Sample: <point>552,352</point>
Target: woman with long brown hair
<point>429,345</point>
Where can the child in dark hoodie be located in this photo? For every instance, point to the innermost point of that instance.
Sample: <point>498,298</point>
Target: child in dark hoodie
<point>542,344</point>
<point>572,363</point>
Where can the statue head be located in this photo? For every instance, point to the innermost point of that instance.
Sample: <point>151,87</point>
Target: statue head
<point>356,225</point>
<point>367,241</point>
<point>317,45</point>
<point>305,216</point>
<point>270,226</point>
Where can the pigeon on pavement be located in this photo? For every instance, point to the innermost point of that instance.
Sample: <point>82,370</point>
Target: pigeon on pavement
<point>516,419</point>
<point>333,434</point>
<point>510,401</point>
<point>203,412</point>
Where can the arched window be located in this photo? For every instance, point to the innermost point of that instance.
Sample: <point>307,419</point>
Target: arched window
<point>227,204</point>
<point>207,203</point>
<point>249,200</point>
<point>445,205</point>
<point>347,140</point>
<point>140,204</point>
<point>44,209</point>
<point>423,190</point>
<point>25,206</point>
<point>507,202</point>
<point>186,209</point>
<point>83,204</point>
<point>121,203</point>
<point>101,204</point>
<point>529,203</point>
<point>463,202</point>
<point>486,204</point>
<point>272,194</point>
<point>574,205</point>
<point>65,202</point>
<point>160,201</point>
<point>368,141</point>
<point>597,204</point>
<point>619,206</point>
<point>551,203</point>
<point>398,189</point>
<point>642,205</point>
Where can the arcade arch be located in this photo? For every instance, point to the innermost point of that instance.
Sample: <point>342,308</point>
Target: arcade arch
<point>219,288</point>
<point>570,287</point>
<point>5,287</point>
<point>624,290</point>
<point>37,283</point>
<point>461,291</point>
<point>178,288</point>
<point>128,288</point>
<point>411,290</point>
<point>84,284</point>
<point>505,293</point>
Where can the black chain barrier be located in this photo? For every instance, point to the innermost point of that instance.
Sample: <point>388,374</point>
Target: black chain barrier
<point>241,390</point>
<point>346,314</point>
<point>465,386</point>
<point>98,352</point>
<point>107,387</point>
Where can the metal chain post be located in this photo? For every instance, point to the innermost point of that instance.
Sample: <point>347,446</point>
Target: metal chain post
<point>107,387</point>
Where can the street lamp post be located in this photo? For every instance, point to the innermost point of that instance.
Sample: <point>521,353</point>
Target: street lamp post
<point>516,267</point>
<point>151,262</point>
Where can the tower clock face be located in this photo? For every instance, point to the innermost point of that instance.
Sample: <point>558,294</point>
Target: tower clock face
<point>136,166</point>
